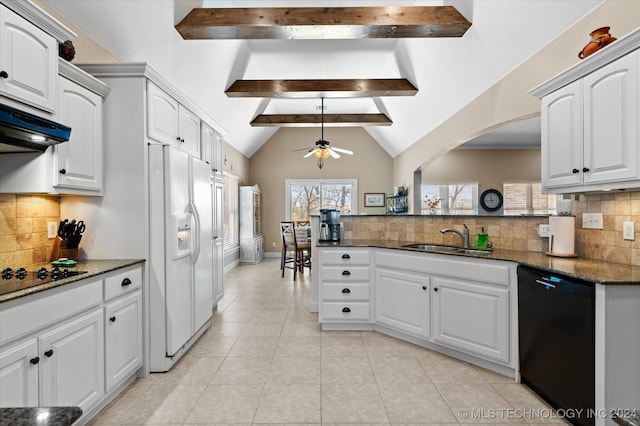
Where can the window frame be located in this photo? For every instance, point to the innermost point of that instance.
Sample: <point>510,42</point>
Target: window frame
<point>319,182</point>
<point>231,208</point>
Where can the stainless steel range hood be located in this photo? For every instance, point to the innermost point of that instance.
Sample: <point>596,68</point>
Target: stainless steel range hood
<point>21,131</point>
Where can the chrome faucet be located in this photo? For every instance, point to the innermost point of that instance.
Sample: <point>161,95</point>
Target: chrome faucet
<point>464,234</point>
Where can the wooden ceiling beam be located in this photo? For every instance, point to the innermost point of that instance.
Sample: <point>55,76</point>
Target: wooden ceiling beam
<point>344,88</point>
<point>323,23</point>
<point>315,120</point>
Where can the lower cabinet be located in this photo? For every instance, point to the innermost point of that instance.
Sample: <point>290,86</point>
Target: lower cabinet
<point>72,366</point>
<point>472,317</point>
<point>19,375</point>
<point>402,301</point>
<point>72,346</point>
<point>123,324</point>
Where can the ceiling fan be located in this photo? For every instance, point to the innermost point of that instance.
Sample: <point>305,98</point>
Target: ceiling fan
<point>323,148</point>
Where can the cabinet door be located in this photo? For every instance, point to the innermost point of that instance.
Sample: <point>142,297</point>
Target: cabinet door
<point>218,270</point>
<point>29,57</point>
<point>19,375</point>
<point>611,121</point>
<point>72,363</point>
<point>207,135</point>
<point>123,343</point>
<point>189,131</point>
<point>162,120</point>
<point>402,301</point>
<point>472,317</point>
<point>218,155</point>
<point>78,162</point>
<point>562,137</point>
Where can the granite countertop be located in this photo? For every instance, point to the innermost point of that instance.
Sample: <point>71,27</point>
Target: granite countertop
<point>45,416</point>
<point>93,268</point>
<point>598,271</point>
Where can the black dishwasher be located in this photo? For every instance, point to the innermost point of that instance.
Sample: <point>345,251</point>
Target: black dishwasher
<point>556,327</point>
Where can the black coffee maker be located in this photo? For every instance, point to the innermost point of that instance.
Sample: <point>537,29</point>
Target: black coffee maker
<point>329,225</point>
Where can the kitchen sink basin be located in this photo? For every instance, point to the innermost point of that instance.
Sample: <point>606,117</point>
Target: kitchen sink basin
<point>434,248</point>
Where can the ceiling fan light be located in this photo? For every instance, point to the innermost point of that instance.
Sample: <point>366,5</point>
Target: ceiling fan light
<point>325,153</point>
<point>318,153</point>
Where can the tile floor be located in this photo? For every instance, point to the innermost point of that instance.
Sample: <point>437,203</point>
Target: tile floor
<point>264,360</point>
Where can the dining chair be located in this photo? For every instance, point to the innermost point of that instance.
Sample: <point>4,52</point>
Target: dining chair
<point>301,251</point>
<point>303,239</point>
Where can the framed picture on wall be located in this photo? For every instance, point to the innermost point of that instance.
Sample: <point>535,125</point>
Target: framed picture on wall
<point>373,199</point>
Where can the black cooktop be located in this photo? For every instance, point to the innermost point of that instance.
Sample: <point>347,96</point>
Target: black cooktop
<point>19,279</point>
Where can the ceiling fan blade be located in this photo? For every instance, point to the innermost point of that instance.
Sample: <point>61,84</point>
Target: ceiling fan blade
<point>333,153</point>
<point>310,153</point>
<point>344,151</point>
<point>304,149</point>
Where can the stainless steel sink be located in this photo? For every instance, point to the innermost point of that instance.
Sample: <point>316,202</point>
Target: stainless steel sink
<point>434,248</point>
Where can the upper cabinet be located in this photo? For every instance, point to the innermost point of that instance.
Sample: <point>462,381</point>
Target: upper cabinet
<point>590,124</point>
<point>212,149</point>
<point>28,62</point>
<point>172,123</point>
<point>78,162</point>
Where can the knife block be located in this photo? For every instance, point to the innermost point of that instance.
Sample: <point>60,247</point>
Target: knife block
<point>60,249</point>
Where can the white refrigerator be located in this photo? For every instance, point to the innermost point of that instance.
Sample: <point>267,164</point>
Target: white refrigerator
<point>181,267</point>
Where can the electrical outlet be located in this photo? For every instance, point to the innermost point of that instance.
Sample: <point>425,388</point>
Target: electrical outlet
<point>273,245</point>
<point>592,220</point>
<point>629,231</point>
<point>51,229</point>
<point>543,230</point>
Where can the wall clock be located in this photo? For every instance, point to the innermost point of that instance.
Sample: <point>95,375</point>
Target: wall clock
<point>491,200</point>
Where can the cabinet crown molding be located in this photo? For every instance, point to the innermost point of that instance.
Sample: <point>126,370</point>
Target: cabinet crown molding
<point>75,74</point>
<point>145,70</point>
<point>40,19</point>
<point>615,50</point>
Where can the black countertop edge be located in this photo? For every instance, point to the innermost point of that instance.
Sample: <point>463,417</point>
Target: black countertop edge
<point>448,216</point>
<point>45,416</point>
<point>597,271</point>
<point>92,267</point>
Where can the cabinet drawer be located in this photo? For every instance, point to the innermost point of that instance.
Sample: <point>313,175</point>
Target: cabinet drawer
<point>25,315</point>
<point>122,282</point>
<point>347,311</point>
<point>346,257</point>
<point>345,273</point>
<point>345,292</point>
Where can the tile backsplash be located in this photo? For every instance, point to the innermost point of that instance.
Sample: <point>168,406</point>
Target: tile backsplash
<point>23,228</point>
<point>517,233</point>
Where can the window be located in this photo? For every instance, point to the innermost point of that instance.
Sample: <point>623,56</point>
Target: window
<point>527,198</point>
<point>305,197</point>
<point>230,220</point>
<point>450,198</point>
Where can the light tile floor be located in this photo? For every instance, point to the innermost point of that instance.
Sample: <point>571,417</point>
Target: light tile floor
<point>265,360</point>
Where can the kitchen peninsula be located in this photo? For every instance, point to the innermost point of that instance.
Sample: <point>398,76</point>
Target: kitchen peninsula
<point>465,305</point>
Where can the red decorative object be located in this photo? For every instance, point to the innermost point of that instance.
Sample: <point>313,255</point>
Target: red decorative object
<point>599,39</point>
<point>66,50</point>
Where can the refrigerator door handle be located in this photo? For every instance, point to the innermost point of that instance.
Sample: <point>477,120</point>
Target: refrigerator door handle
<point>196,251</point>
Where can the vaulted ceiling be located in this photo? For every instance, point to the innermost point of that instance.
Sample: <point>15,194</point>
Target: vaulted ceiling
<point>447,72</point>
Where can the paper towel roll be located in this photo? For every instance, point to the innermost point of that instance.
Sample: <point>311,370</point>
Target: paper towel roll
<point>562,235</point>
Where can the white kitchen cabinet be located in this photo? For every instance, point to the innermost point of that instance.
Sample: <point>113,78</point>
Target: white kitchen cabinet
<point>78,162</point>
<point>123,323</point>
<point>212,149</point>
<point>218,239</point>
<point>19,375</point>
<point>170,122</point>
<point>472,317</point>
<point>60,346</point>
<point>345,287</point>
<point>590,128</point>
<point>28,62</point>
<point>251,238</point>
<point>402,301</point>
<point>72,363</point>
<point>73,167</point>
